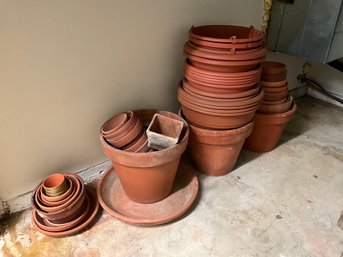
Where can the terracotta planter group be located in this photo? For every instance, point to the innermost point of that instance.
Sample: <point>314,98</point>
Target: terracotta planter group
<point>148,177</point>
<point>62,205</point>
<point>125,131</point>
<point>220,92</point>
<point>276,110</point>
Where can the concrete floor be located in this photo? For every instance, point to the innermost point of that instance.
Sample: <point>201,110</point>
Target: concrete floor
<point>284,203</point>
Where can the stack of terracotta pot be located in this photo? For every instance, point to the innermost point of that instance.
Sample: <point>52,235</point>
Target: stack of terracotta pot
<point>220,93</point>
<point>62,205</point>
<point>276,110</point>
<point>147,177</point>
<point>125,131</point>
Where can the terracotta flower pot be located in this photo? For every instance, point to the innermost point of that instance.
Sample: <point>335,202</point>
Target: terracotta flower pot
<point>267,130</point>
<point>148,177</point>
<point>227,46</point>
<point>215,152</point>
<point>137,144</point>
<point>58,200</point>
<point>271,84</point>
<point>276,89</point>
<point>273,71</point>
<point>55,185</point>
<point>120,131</point>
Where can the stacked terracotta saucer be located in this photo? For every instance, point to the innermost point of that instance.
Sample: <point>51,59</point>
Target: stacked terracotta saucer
<point>220,92</point>
<point>125,131</point>
<point>277,108</point>
<point>62,205</point>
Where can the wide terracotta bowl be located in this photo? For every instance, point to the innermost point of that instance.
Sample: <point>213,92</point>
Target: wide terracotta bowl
<point>225,95</point>
<point>226,34</point>
<point>254,74</point>
<point>219,89</point>
<point>233,103</point>
<point>228,56</point>
<point>223,66</point>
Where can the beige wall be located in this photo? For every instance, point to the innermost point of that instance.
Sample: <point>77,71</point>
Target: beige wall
<point>66,66</point>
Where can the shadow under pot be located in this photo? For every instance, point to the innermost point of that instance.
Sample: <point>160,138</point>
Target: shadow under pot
<point>215,152</point>
<point>267,130</point>
<point>148,177</point>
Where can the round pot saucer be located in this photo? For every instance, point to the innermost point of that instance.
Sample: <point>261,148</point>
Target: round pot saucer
<point>93,209</point>
<point>113,199</point>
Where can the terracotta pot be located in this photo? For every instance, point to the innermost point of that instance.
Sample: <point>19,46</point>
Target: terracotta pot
<point>277,108</point>
<point>250,92</point>
<point>68,210</point>
<point>55,185</point>
<point>267,130</point>
<point>226,34</point>
<point>148,177</point>
<point>122,130</point>
<point>233,50</point>
<point>223,66</point>
<point>265,102</point>
<point>227,46</point>
<point>57,200</point>
<point>273,71</point>
<point>114,123</point>
<point>274,96</point>
<point>130,135</point>
<point>215,152</point>
<point>228,55</point>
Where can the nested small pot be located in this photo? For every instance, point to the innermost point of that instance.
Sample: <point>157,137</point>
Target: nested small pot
<point>273,71</point>
<point>215,152</point>
<point>267,130</point>
<point>275,89</point>
<point>275,96</point>
<point>148,177</point>
<point>277,108</point>
<point>271,84</point>
<point>114,123</point>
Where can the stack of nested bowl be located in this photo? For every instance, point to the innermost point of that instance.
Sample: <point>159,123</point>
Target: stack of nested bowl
<point>125,131</point>
<point>220,92</point>
<point>276,110</point>
<point>62,205</point>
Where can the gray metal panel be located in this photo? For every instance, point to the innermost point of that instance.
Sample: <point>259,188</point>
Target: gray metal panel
<point>307,28</point>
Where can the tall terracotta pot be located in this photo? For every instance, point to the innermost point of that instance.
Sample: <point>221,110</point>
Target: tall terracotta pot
<point>148,177</point>
<point>267,130</point>
<point>215,152</point>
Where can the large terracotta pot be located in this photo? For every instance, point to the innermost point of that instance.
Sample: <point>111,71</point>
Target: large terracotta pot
<point>148,177</point>
<point>215,152</point>
<point>267,130</point>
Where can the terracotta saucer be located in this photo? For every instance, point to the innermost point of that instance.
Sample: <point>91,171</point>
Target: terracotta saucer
<point>93,209</point>
<point>113,199</point>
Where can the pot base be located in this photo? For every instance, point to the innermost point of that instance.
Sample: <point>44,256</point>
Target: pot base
<point>114,200</point>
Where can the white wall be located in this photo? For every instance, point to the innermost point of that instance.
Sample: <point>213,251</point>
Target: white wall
<point>66,66</point>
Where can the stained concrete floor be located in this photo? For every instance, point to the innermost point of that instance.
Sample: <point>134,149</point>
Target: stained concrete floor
<point>284,203</point>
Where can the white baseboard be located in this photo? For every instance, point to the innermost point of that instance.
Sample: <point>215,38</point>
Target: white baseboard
<point>23,201</point>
